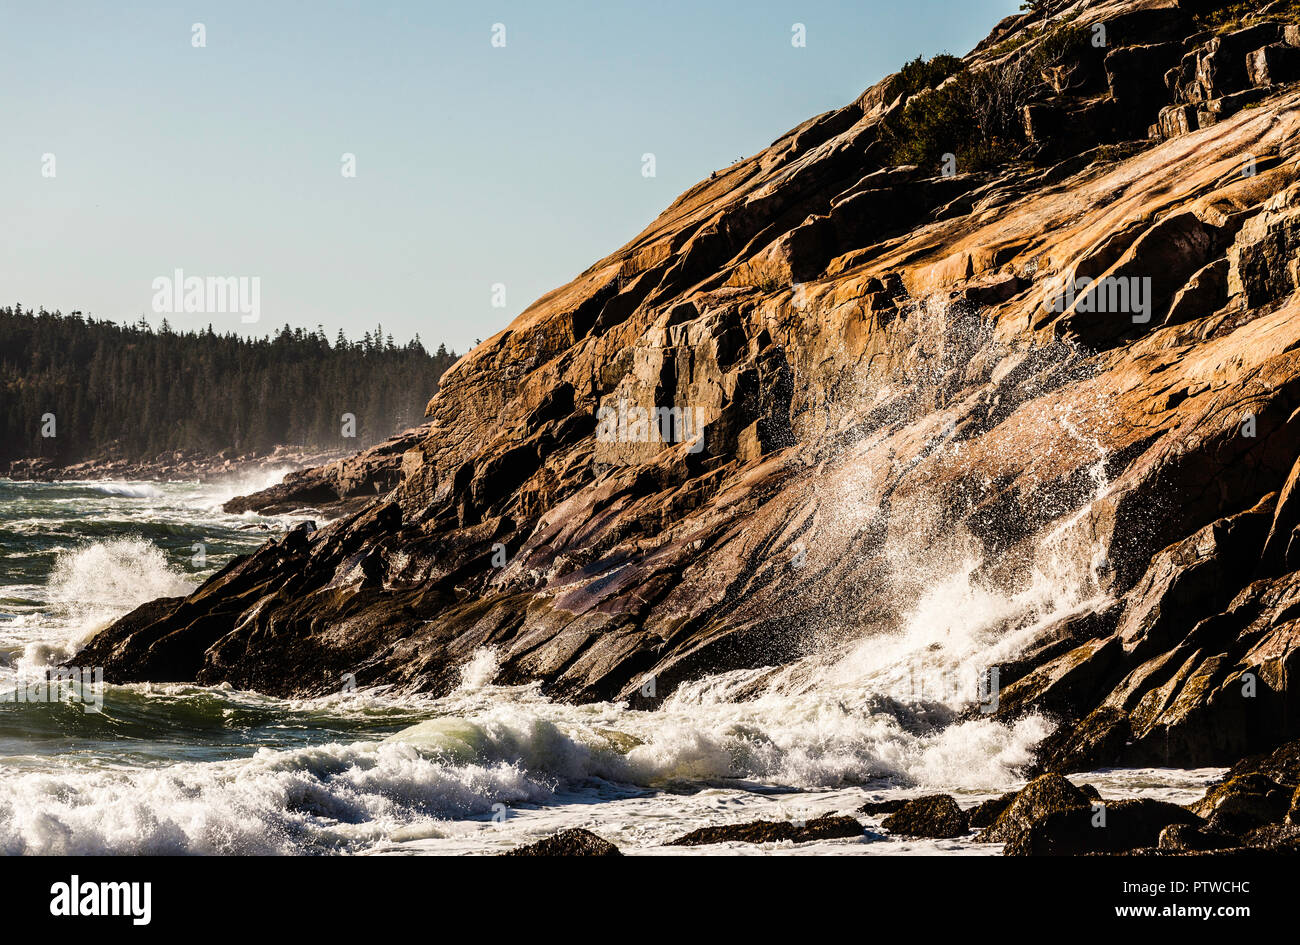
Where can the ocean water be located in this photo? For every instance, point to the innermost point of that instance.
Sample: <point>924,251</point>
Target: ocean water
<point>183,769</point>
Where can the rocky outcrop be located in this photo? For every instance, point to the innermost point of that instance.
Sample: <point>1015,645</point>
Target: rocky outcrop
<point>574,842</point>
<point>713,448</point>
<point>935,815</point>
<point>1040,798</point>
<point>1114,827</point>
<point>827,827</point>
<point>1245,813</point>
<point>175,465</point>
<point>345,485</point>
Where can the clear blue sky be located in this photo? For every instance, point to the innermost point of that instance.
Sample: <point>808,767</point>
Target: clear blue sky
<point>475,165</point>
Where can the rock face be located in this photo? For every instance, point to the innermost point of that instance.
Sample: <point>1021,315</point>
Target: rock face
<point>712,449</point>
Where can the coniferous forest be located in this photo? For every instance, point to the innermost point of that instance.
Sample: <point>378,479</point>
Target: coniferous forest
<point>134,392</point>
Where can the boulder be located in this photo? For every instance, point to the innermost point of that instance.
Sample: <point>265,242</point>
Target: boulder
<point>985,813</point>
<point>1246,801</point>
<point>1190,838</point>
<point>876,808</point>
<point>574,842</point>
<point>1112,827</point>
<point>1175,120</point>
<point>1046,794</point>
<point>935,815</point>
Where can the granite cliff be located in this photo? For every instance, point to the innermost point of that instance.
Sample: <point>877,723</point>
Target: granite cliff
<point>823,378</point>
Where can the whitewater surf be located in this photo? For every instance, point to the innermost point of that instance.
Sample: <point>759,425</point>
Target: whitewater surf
<point>179,768</point>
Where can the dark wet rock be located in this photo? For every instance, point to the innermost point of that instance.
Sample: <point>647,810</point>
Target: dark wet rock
<point>1044,795</point>
<point>936,816</point>
<point>1189,838</point>
<point>881,807</point>
<point>1065,681</point>
<point>1281,765</point>
<point>342,486</point>
<point>1258,790</point>
<point>985,813</point>
<point>1110,827</point>
<point>574,842</point>
<point>828,827</point>
<point>1245,801</point>
<point>1274,838</point>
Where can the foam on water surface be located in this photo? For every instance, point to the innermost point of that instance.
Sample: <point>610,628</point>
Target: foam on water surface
<point>191,769</point>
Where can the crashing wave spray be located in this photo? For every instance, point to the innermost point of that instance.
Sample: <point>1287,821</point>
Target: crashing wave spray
<point>92,585</point>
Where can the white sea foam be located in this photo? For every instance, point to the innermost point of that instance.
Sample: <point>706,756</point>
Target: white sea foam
<point>480,670</point>
<point>331,797</point>
<point>217,493</point>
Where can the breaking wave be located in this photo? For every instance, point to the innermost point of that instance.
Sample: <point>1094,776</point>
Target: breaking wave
<point>139,490</point>
<point>93,584</point>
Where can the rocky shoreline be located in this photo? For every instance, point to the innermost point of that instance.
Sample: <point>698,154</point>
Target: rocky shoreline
<point>174,466</point>
<point>887,363</point>
<point>346,484</point>
<point>1254,810</point>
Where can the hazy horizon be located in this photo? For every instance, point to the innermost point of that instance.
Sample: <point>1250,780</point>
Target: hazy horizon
<point>134,153</point>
